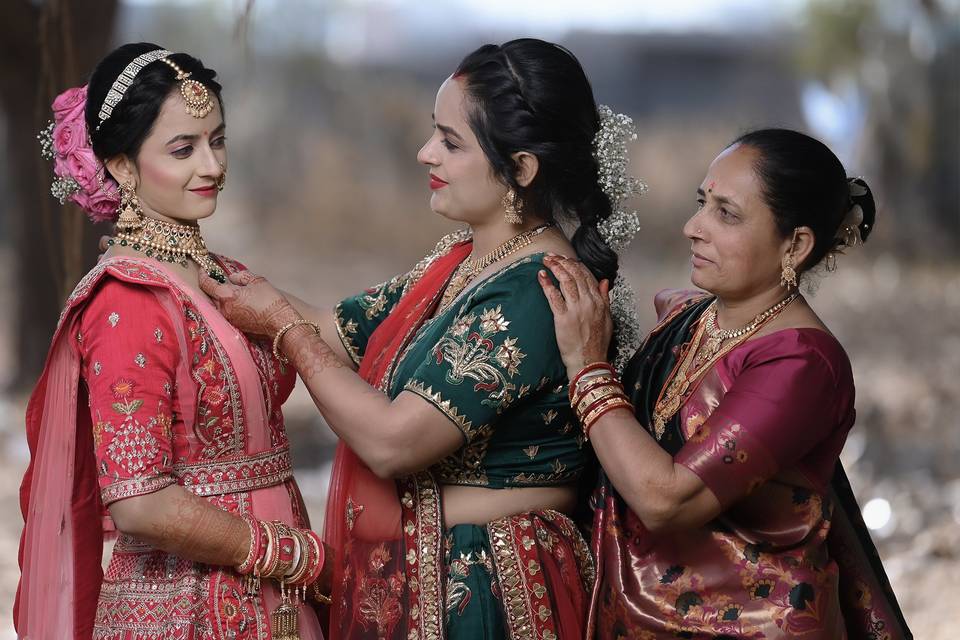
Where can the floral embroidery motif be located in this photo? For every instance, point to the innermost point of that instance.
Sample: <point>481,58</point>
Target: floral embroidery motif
<point>113,319</point>
<point>158,334</point>
<point>140,360</point>
<point>97,368</point>
<point>531,451</point>
<point>472,354</point>
<point>548,416</point>
<point>458,592</point>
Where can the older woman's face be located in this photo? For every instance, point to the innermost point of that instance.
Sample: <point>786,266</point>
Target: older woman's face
<point>737,249</point>
<point>180,162</point>
<point>461,178</point>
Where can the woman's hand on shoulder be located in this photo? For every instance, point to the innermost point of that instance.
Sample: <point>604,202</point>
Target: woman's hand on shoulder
<point>250,303</point>
<point>581,312</point>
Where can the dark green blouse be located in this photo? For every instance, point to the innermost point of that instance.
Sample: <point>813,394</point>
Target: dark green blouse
<point>490,363</point>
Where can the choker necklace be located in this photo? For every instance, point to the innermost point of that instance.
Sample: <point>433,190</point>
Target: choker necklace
<point>470,268</point>
<point>170,242</point>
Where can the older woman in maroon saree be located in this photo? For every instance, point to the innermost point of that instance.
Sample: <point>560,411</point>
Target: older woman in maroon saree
<point>723,510</point>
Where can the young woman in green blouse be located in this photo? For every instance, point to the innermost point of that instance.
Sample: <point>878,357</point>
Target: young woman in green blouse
<point>458,450</point>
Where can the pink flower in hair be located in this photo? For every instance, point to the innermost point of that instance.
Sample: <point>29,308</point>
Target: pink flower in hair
<point>68,135</point>
<point>81,177</point>
<point>70,104</point>
<point>101,206</point>
<point>83,167</point>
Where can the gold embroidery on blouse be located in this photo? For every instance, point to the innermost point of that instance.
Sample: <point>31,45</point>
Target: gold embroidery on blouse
<point>471,354</point>
<point>445,406</point>
<point>346,329</point>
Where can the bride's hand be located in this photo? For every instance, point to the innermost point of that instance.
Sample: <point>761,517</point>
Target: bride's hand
<point>581,312</point>
<point>250,303</point>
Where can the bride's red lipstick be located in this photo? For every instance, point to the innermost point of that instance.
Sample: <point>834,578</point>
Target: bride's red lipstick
<point>206,192</point>
<point>437,183</point>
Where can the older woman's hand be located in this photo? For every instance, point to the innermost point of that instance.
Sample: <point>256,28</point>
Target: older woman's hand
<point>250,303</point>
<point>581,312</point>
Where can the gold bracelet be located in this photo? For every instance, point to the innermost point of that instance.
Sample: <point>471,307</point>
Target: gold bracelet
<point>290,325</point>
<point>597,393</point>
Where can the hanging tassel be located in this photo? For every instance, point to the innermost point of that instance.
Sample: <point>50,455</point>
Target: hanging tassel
<point>284,618</point>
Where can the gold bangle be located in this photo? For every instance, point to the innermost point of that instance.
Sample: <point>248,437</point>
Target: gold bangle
<point>599,393</point>
<point>290,325</point>
<point>590,416</point>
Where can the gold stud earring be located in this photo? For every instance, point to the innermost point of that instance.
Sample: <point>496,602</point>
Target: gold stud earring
<point>788,276</point>
<point>222,180</point>
<point>130,216</point>
<point>513,208</point>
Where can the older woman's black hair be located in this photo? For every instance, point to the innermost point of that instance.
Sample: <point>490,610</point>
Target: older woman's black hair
<point>805,185</point>
<point>530,95</point>
<point>133,118</point>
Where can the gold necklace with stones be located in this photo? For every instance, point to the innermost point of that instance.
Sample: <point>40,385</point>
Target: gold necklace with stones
<point>717,336</point>
<point>170,242</point>
<point>682,379</point>
<point>470,268</point>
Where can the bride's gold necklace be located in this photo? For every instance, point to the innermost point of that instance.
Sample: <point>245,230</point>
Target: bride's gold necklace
<point>470,268</point>
<point>169,242</point>
<point>694,362</point>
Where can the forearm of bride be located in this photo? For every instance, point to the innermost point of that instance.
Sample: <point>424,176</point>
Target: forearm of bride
<point>185,525</point>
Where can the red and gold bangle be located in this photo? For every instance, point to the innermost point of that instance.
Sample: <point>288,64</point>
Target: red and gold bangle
<point>271,557</point>
<point>317,557</point>
<point>592,384</point>
<point>618,402</point>
<point>596,393</point>
<point>305,560</point>
<point>586,416</point>
<point>596,366</point>
<point>256,546</point>
<point>287,548</point>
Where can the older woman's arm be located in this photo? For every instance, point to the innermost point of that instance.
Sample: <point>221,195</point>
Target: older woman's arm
<point>665,495</point>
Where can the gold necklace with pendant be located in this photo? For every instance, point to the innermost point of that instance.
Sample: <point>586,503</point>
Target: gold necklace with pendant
<point>169,242</point>
<point>469,268</point>
<point>682,380</point>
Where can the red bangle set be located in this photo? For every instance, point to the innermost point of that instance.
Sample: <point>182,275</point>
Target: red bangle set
<point>594,392</point>
<point>291,555</point>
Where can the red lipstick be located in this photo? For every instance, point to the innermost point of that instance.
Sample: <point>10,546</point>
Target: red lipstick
<point>206,192</point>
<point>437,183</point>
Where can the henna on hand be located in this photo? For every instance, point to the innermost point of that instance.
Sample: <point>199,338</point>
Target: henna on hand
<point>309,353</point>
<point>199,531</point>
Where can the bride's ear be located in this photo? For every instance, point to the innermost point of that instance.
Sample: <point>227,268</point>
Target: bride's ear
<point>122,168</point>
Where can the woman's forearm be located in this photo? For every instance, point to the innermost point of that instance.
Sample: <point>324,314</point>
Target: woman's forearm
<point>663,494</point>
<point>392,437</point>
<point>324,318</point>
<point>185,525</point>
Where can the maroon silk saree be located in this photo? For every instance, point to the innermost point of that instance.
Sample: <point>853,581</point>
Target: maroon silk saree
<point>789,556</point>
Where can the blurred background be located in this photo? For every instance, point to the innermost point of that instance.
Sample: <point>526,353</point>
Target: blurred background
<point>328,102</point>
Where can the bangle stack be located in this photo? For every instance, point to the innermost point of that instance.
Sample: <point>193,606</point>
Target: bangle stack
<point>292,556</point>
<point>290,325</point>
<point>595,391</point>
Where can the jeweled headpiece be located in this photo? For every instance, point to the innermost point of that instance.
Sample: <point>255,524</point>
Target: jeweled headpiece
<point>195,94</point>
<point>124,80</point>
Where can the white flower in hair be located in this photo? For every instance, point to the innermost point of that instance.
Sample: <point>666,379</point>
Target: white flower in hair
<point>610,151</point>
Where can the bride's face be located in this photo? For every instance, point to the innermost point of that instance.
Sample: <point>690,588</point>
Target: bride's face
<point>180,162</point>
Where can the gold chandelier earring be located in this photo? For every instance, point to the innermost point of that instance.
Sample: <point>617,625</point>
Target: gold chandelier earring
<point>130,214</point>
<point>788,275</point>
<point>512,207</point>
<point>222,180</point>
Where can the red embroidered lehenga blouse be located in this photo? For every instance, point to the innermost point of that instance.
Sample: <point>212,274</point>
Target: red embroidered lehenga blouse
<point>150,386</point>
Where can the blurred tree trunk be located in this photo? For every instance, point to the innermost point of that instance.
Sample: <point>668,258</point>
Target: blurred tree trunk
<point>45,48</point>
